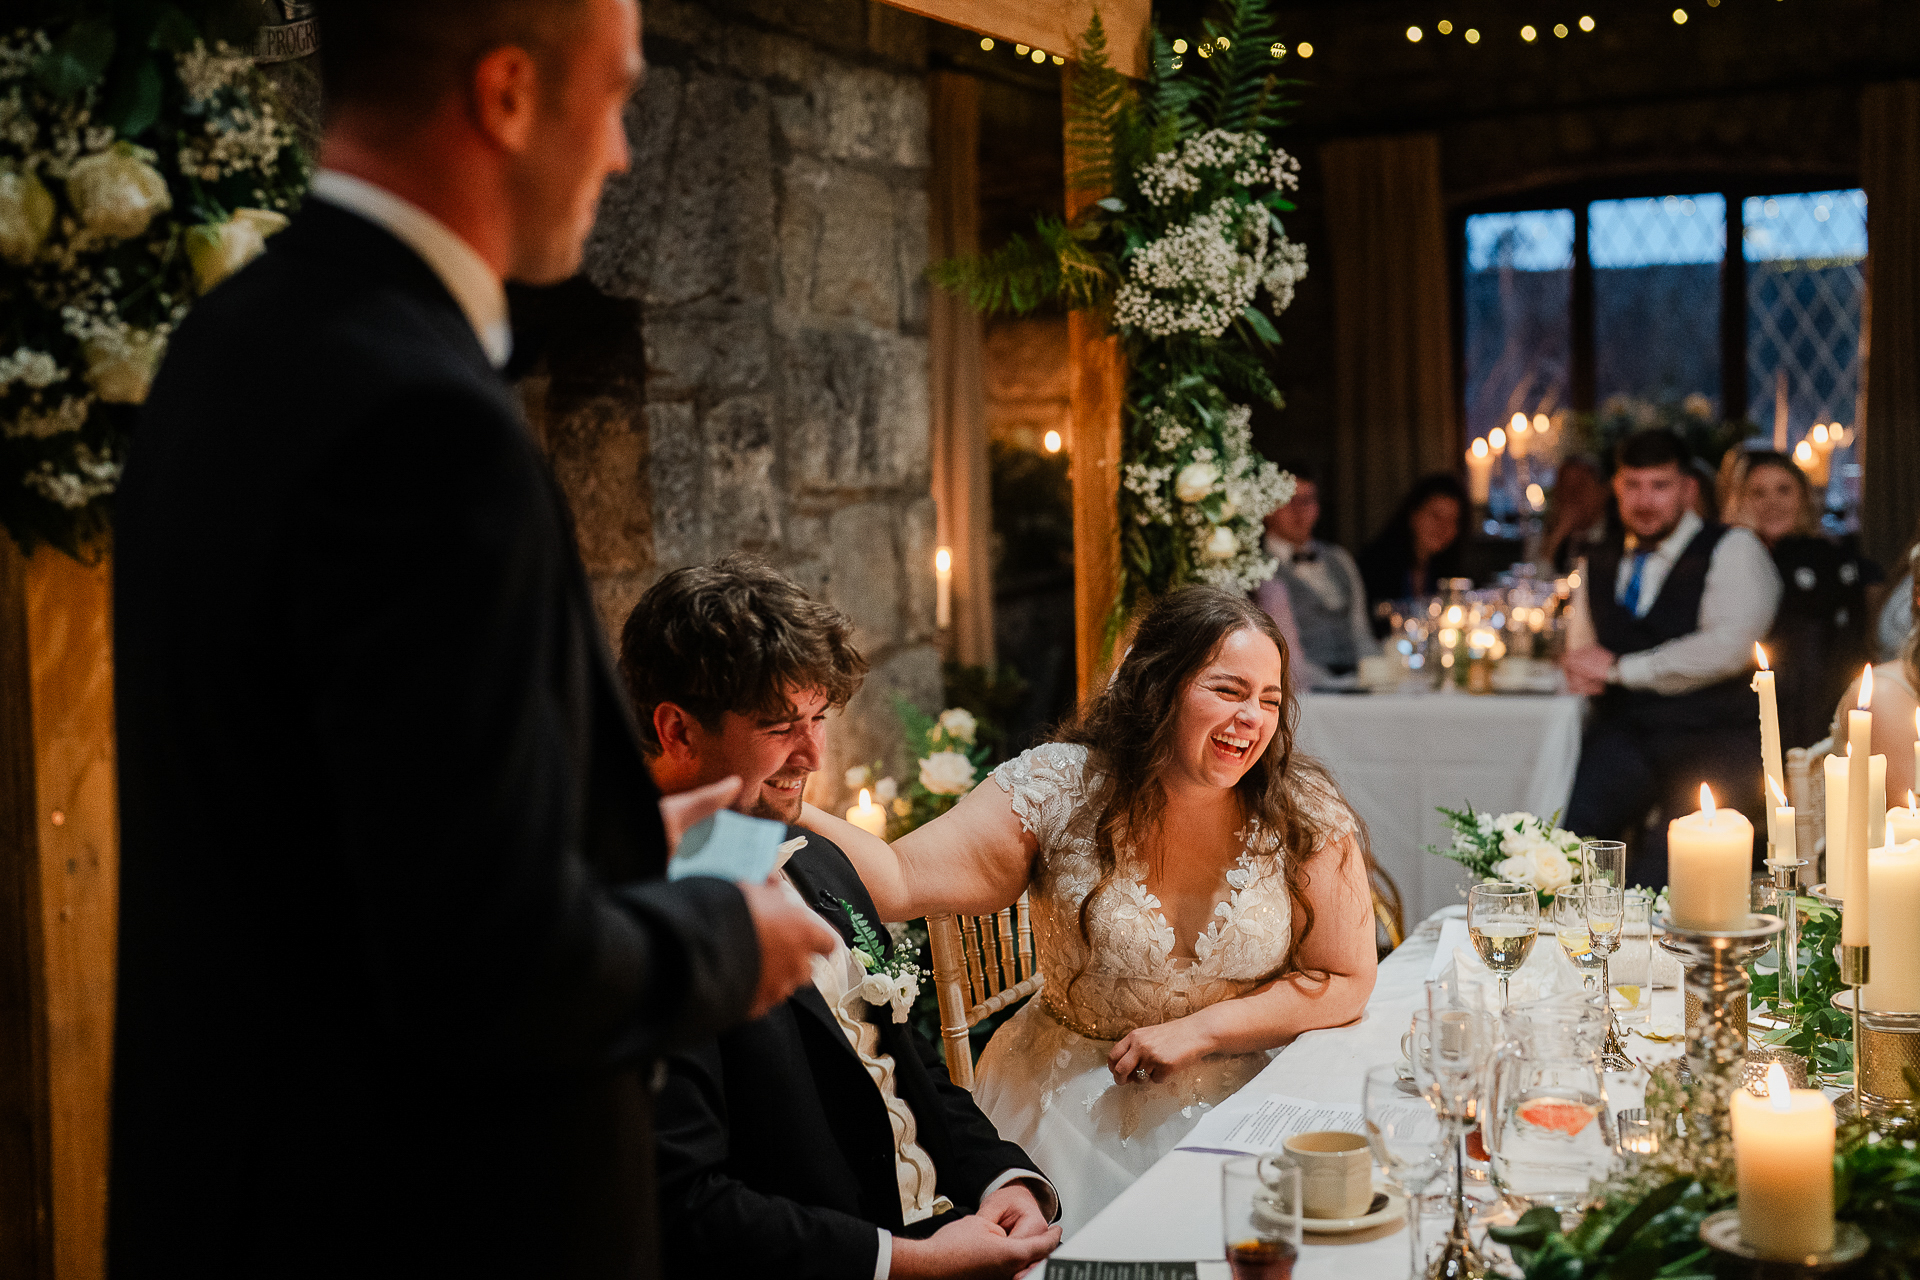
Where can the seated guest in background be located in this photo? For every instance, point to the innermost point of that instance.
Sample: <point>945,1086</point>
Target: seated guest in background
<point>1818,641</point>
<point>1662,633</point>
<point>824,1139</point>
<point>1327,599</point>
<point>1419,546</point>
<point>1579,519</point>
<point>1894,615</point>
<point>1896,693</point>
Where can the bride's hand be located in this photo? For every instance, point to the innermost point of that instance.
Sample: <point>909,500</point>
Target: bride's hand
<point>1160,1050</point>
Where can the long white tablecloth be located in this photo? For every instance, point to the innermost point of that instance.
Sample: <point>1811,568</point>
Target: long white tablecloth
<point>1398,756</point>
<point>1173,1212</point>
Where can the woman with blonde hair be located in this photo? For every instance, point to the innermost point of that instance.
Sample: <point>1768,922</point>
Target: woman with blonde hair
<point>1819,636</point>
<point>1199,896</point>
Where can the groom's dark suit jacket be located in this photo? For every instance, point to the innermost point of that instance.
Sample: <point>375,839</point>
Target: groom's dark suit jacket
<point>776,1152</point>
<point>396,960</point>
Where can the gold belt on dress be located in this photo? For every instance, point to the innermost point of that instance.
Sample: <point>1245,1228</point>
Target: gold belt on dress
<point>1078,1028</point>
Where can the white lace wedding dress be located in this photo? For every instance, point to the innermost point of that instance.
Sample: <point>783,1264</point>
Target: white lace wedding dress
<point>1043,1079</point>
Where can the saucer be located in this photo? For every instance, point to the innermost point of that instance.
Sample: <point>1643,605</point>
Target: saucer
<point>1388,1206</point>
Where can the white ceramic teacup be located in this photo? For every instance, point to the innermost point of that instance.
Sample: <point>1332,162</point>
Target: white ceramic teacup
<point>1336,1173</point>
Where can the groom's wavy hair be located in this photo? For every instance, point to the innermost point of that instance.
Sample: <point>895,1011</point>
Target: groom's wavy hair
<point>1128,729</point>
<point>735,635</point>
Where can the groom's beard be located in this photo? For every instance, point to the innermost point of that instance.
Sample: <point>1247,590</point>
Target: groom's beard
<point>779,806</point>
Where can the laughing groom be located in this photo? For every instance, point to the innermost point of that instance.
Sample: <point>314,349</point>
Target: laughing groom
<point>824,1139</point>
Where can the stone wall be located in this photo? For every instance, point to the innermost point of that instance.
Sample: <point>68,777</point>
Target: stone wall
<point>745,366</point>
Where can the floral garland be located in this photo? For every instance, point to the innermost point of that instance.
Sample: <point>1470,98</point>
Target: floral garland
<point>139,167</point>
<point>1178,259</point>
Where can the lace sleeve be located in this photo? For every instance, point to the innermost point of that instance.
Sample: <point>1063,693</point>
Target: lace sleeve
<point>1332,819</point>
<point>1043,784</point>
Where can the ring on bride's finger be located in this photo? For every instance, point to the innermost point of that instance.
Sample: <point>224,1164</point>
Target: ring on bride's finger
<point>1141,1073</point>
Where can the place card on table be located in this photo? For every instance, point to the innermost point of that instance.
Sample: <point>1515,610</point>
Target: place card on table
<point>1079,1269</point>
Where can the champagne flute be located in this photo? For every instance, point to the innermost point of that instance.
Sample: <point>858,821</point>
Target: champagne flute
<point>1570,927</point>
<point>1604,862</point>
<point>1410,1143</point>
<point>1606,912</point>
<point>1451,1051</point>
<point>1503,920</point>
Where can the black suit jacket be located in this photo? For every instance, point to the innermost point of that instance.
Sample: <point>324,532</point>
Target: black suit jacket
<point>395,955</point>
<point>776,1153</point>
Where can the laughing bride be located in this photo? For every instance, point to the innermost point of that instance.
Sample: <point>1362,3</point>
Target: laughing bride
<point>1199,897</point>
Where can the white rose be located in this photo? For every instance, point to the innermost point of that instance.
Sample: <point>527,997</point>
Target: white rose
<point>906,989</point>
<point>117,192</point>
<point>26,214</point>
<point>857,777</point>
<point>1222,544</point>
<point>1551,870</point>
<point>218,249</point>
<point>121,365</point>
<point>1195,481</point>
<point>876,988</point>
<point>947,773</point>
<point>1515,870</point>
<point>885,790</point>
<point>958,723</point>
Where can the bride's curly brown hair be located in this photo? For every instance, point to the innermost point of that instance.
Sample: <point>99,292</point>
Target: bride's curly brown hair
<point>1128,730</point>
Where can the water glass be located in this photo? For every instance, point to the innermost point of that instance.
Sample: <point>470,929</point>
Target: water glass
<point>1570,927</point>
<point>1630,968</point>
<point>1410,1144</point>
<point>1260,1213</point>
<point>1550,1131</point>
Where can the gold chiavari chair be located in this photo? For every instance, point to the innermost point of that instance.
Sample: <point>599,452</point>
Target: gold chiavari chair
<point>981,965</point>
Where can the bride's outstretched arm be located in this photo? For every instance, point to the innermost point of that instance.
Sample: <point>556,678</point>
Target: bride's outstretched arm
<point>974,858</point>
<point>1340,945</point>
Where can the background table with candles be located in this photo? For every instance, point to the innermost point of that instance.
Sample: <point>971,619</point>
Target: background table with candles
<point>1173,1212</point>
<point>1397,756</point>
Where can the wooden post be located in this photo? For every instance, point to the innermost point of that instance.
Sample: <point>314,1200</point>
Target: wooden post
<point>59,838</point>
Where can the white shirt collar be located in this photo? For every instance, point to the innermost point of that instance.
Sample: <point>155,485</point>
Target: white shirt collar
<point>463,271</point>
<point>1674,543</point>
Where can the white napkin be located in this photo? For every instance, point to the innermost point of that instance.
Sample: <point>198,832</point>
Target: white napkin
<point>1453,934</point>
<point>1547,972</point>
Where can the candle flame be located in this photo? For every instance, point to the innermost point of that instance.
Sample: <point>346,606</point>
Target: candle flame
<point>1803,454</point>
<point>1479,448</point>
<point>1519,424</point>
<point>866,800</point>
<point>1497,438</point>
<point>1542,423</point>
<point>1706,801</point>
<point>1760,656</point>
<point>1779,1088</point>
<point>1866,687</point>
<point>942,560</point>
<point>1779,796</point>
<point>1910,804</point>
<point>1819,433</point>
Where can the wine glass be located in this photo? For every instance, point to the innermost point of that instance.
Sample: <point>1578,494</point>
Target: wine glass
<point>1604,862</point>
<point>1570,927</point>
<point>1410,1143</point>
<point>1450,1050</point>
<point>1503,920</point>
<point>1606,912</point>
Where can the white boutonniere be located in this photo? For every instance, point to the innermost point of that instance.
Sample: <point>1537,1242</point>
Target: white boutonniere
<point>891,980</point>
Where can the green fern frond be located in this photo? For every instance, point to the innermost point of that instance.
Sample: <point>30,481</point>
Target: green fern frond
<point>1246,93</point>
<point>1096,97</point>
<point>1024,275</point>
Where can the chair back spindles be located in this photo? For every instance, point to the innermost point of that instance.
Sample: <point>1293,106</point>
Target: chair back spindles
<point>978,970</point>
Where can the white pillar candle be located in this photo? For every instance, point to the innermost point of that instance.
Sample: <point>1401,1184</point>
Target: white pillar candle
<point>1893,909</point>
<point>1479,472</point>
<point>1709,867</point>
<point>1903,824</point>
<point>1783,1168</point>
<point>1770,759</point>
<point>942,588</point>
<point>1837,825</point>
<point>868,816</point>
<point>1853,923</point>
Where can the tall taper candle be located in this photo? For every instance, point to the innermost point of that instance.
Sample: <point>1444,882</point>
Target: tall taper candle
<point>1836,767</point>
<point>1780,830</point>
<point>1770,760</point>
<point>1876,802</point>
<point>1853,918</point>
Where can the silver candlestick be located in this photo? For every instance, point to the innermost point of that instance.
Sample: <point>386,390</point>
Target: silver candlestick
<point>1715,961</point>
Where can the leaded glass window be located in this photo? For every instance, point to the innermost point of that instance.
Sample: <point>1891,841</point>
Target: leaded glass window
<point>1656,297</point>
<point>1519,282</point>
<point>1805,296</point>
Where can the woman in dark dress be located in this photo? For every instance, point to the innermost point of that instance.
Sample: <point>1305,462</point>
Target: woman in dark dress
<point>1419,546</point>
<point>1819,637</point>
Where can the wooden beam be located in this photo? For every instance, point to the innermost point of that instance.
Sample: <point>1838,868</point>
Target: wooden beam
<point>1052,25</point>
<point>59,872</point>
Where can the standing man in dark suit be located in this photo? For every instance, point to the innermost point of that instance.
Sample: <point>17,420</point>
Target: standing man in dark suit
<point>825,1139</point>
<point>397,964</point>
<point>1661,638</point>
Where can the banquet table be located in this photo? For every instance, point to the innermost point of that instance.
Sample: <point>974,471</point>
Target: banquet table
<point>1173,1212</point>
<point>1398,756</point>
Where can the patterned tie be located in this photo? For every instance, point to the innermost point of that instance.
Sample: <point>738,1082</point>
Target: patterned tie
<point>1630,599</point>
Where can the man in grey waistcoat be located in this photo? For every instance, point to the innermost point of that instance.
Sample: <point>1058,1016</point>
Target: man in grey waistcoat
<point>1322,586</point>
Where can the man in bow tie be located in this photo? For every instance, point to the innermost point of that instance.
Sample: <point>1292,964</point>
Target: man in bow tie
<point>825,1139</point>
<point>1319,585</point>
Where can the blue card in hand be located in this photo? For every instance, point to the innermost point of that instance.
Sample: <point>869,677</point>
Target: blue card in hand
<point>730,846</point>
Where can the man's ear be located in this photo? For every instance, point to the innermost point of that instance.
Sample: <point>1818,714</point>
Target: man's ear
<point>678,733</point>
<point>504,88</point>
